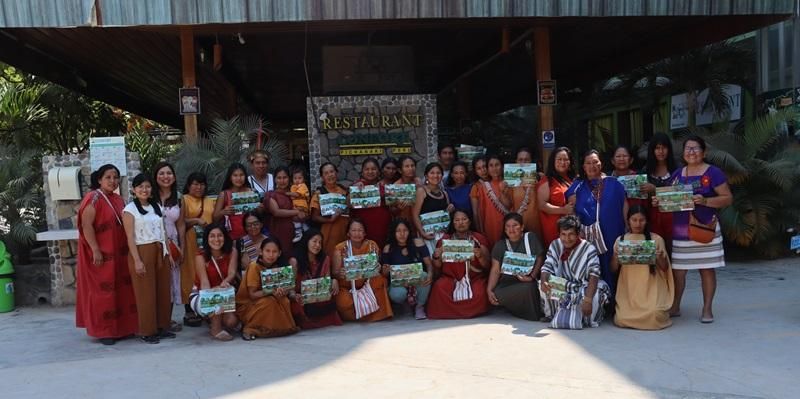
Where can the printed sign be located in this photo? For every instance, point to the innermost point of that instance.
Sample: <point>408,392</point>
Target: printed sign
<point>558,287</point>
<point>366,197</point>
<point>795,243</point>
<point>632,183</point>
<point>675,198</point>
<point>332,203</point>
<point>104,150</point>
<point>517,174</point>
<point>359,267</point>
<point>406,275</point>
<point>217,299</point>
<point>245,201</point>
<point>547,92</point>
<point>277,277</point>
<point>316,290</point>
<point>435,222</point>
<point>517,264</point>
<point>636,252</point>
<point>457,250</point>
<point>549,139</point>
<point>395,193</point>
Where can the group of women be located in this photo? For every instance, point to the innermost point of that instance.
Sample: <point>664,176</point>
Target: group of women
<point>137,261</point>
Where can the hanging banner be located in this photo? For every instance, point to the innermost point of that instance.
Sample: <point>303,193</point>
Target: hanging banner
<point>679,104</point>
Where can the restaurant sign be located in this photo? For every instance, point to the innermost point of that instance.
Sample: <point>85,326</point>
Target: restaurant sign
<point>363,142</point>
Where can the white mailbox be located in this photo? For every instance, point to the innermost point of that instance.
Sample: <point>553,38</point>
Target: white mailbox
<point>64,183</point>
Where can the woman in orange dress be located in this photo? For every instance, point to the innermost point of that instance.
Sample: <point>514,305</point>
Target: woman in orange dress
<point>197,211</point>
<point>523,198</point>
<point>216,268</point>
<point>357,244</point>
<point>479,174</point>
<point>552,202</point>
<point>334,227</point>
<point>494,200</point>
<point>264,315</point>
<point>105,303</point>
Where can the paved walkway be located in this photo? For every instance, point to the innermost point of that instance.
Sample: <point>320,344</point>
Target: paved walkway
<point>752,350</point>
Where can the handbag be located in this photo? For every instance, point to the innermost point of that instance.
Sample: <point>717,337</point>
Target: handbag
<point>364,300</point>
<point>594,234</point>
<point>702,232</point>
<point>463,288</point>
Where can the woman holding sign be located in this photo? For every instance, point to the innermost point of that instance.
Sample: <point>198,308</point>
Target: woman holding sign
<point>516,263</point>
<point>408,175</point>
<point>431,198</point>
<point>265,312</point>
<point>197,211</point>
<point>334,225</point>
<point>697,238</point>
<point>362,299</point>
<point>314,265</point>
<point>402,249</point>
<point>281,211</point>
<point>379,217</point>
<point>645,289</point>
<point>236,185</point>
<point>216,268</point>
<point>574,295</point>
<point>523,197</point>
<point>460,290</point>
<point>550,191</point>
<point>622,159</point>
<point>494,200</point>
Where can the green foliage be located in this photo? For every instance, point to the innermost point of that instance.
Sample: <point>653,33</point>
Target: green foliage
<point>21,196</point>
<point>762,169</point>
<point>227,141</point>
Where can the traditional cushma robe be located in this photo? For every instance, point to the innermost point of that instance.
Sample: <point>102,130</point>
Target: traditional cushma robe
<point>577,266</point>
<point>105,303</point>
<point>644,298</point>
<point>319,314</point>
<point>266,316</point>
<point>344,300</point>
<point>440,302</point>
<point>332,233</point>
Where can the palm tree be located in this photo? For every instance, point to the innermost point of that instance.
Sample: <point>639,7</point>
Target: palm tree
<point>227,141</point>
<point>762,168</point>
<point>710,67</point>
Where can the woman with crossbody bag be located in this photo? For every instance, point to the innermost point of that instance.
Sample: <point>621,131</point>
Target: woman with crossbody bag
<point>600,202</point>
<point>362,299</point>
<point>460,290</point>
<point>518,294</point>
<point>216,268</point>
<point>696,235</point>
<point>197,212</point>
<point>174,225</point>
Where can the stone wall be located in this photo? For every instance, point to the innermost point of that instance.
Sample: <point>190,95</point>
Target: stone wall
<point>63,215</point>
<point>323,143</point>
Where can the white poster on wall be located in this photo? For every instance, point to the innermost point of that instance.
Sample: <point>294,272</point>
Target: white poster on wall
<point>679,116</point>
<point>103,150</point>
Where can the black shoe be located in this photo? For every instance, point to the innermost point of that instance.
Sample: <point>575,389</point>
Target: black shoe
<point>149,339</point>
<point>166,334</point>
<point>108,341</point>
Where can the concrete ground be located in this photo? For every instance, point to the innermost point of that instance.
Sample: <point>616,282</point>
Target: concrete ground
<point>750,351</point>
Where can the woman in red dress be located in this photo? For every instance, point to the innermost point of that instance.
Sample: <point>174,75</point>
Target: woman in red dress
<point>550,192</point>
<point>494,200</point>
<point>378,217</point>
<point>105,304</point>
<point>441,304</point>
<point>281,212</point>
<point>311,262</point>
<point>216,268</point>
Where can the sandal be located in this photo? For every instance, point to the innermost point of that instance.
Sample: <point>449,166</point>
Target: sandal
<point>175,326</point>
<point>248,337</point>
<point>223,336</point>
<point>191,319</point>
<point>150,339</point>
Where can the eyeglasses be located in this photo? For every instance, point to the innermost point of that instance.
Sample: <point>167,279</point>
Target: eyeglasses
<point>692,150</point>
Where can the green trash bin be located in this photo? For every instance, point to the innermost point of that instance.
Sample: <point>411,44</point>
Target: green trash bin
<point>6,280</point>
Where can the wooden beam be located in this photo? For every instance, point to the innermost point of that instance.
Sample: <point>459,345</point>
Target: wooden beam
<point>541,55</point>
<point>187,72</point>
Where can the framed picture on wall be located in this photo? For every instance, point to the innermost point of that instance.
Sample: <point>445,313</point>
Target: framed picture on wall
<point>189,100</point>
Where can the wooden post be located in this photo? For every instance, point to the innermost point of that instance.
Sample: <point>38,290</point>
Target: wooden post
<point>541,59</point>
<point>187,71</point>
